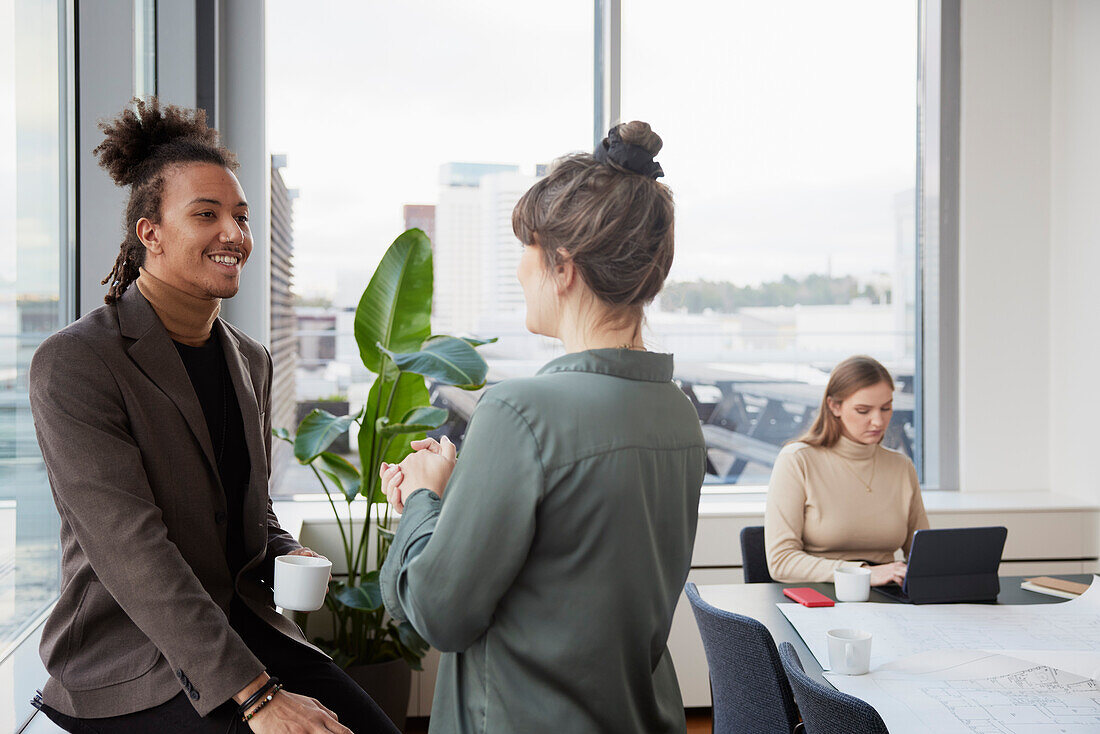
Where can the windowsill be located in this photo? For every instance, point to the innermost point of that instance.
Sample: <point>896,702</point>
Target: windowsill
<point>935,502</point>
<point>294,512</point>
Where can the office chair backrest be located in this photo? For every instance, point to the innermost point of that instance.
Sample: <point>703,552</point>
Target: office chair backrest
<point>825,710</point>
<point>748,687</point>
<point>754,561</point>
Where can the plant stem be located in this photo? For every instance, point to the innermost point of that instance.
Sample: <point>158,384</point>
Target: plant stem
<point>339,524</point>
<point>379,556</point>
<point>370,469</point>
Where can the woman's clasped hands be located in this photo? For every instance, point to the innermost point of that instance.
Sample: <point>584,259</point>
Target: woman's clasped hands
<point>429,467</point>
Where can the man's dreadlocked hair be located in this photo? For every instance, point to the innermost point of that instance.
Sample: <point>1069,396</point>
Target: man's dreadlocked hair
<point>140,145</point>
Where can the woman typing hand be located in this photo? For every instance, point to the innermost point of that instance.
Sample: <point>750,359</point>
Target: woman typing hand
<point>888,573</point>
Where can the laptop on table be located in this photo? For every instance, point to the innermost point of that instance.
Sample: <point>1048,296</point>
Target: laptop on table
<point>951,565</point>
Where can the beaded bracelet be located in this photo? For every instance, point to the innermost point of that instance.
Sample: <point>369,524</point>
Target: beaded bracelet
<point>263,702</point>
<point>257,695</point>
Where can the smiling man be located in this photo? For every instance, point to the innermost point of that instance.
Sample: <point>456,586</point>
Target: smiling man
<point>153,415</point>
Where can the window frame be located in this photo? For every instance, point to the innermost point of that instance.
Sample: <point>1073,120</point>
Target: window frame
<point>22,651</point>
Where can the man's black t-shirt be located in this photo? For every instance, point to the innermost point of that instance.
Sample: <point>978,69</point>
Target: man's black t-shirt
<point>210,377</point>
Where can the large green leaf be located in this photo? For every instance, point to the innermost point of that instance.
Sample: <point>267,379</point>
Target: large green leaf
<point>417,420</point>
<point>317,432</point>
<point>445,359</point>
<point>413,642</point>
<point>395,310</point>
<point>367,596</point>
<point>475,342</point>
<point>343,473</point>
<point>411,394</point>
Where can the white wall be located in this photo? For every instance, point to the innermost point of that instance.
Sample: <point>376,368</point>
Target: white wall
<point>1075,248</point>
<point>1029,245</point>
<point>1004,245</point>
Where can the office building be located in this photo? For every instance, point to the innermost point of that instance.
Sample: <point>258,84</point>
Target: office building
<point>284,342</point>
<point>420,216</point>
<point>459,254</point>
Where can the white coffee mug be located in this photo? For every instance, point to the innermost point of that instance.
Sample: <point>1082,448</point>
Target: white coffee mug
<point>849,651</point>
<point>301,582</point>
<point>853,583</point>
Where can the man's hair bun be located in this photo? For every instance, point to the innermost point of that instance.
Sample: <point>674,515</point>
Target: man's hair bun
<point>133,138</point>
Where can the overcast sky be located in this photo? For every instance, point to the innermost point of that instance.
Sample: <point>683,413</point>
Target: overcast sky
<point>789,125</point>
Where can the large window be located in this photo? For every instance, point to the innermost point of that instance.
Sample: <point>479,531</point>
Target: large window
<point>791,145</point>
<point>428,114</point>
<point>790,135</point>
<point>33,304</point>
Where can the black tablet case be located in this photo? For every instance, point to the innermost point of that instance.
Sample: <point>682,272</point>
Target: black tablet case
<point>953,565</point>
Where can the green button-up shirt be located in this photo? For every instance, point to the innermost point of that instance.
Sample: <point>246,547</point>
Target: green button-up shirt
<point>549,572</point>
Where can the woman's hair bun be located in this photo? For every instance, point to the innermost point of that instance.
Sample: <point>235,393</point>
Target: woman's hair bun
<point>133,137</point>
<point>641,134</point>
<point>630,146</point>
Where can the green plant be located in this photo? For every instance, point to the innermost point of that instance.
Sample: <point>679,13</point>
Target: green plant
<point>392,330</point>
<point>334,398</point>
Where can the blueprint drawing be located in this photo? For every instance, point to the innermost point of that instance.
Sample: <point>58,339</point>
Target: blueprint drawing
<point>959,692</point>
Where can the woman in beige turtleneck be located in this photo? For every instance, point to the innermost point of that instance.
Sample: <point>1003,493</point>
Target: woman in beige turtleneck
<point>836,495</point>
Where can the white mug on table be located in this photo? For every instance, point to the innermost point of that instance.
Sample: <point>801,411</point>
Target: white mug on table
<point>853,583</point>
<point>849,651</point>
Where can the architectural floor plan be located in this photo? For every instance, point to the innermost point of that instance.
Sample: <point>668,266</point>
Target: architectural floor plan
<point>900,630</point>
<point>977,693</point>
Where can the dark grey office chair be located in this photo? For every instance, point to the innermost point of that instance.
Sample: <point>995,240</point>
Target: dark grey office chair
<point>754,561</point>
<point>747,684</point>
<point>825,710</point>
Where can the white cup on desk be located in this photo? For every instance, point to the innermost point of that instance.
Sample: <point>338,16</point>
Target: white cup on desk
<point>301,582</point>
<point>849,651</point>
<point>853,583</point>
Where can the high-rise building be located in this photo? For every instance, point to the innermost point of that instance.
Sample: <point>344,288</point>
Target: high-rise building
<point>420,216</point>
<point>459,246</point>
<point>501,296</point>
<point>284,339</point>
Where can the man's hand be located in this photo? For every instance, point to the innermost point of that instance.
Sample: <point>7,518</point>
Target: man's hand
<point>289,713</point>
<point>306,552</point>
<point>310,553</point>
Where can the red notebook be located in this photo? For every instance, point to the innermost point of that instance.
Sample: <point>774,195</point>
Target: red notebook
<point>807,597</point>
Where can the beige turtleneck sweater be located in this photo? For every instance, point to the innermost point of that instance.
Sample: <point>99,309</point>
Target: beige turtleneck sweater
<point>188,319</point>
<point>820,515</point>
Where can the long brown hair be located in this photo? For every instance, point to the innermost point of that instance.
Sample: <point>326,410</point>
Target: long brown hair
<point>139,146</point>
<point>615,224</point>
<point>851,375</point>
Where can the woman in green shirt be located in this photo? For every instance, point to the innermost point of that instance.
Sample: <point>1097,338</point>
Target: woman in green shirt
<point>546,562</point>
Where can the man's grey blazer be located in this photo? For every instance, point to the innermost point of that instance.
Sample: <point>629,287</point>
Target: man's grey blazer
<point>145,586</point>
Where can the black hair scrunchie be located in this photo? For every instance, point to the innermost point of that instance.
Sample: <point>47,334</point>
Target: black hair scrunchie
<point>631,157</point>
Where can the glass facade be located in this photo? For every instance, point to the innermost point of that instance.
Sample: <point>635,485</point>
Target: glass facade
<point>792,158</point>
<point>453,122</point>
<point>34,302</point>
<point>791,145</point>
